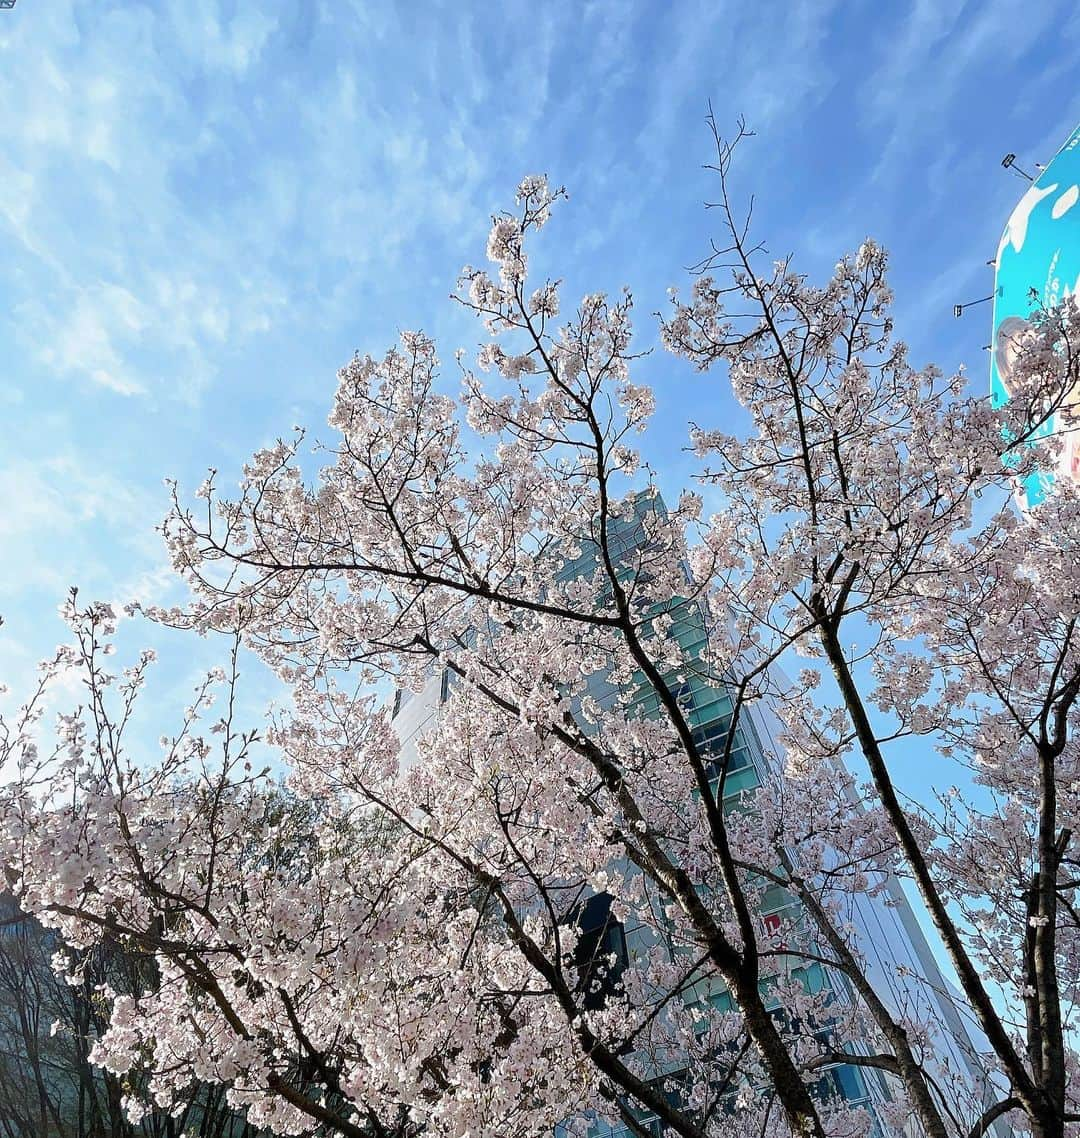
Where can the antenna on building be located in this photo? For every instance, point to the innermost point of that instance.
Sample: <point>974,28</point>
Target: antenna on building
<point>1009,162</point>
<point>958,309</point>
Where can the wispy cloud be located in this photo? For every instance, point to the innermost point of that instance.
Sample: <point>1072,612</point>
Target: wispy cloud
<point>932,75</point>
<point>109,260</point>
<point>84,337</point>
<point>205,207</point>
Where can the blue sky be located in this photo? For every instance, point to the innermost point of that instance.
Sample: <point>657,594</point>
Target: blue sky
<point>206,206</point>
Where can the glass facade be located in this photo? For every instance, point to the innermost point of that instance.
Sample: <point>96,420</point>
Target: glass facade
<point>889,932</point>
<point>708,707</point>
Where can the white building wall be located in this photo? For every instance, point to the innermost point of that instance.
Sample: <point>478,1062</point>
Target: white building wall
<point>903,970</point>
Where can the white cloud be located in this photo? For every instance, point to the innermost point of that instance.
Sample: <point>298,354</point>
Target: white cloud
<point>944,48</point>
<point>218,41</point>
<point>84,338</point>
<point>50,495</point>
<point>749,79</point>
<point>119,278</point>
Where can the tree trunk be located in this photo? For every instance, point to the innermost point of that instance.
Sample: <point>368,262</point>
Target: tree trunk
<point>793,1093</point>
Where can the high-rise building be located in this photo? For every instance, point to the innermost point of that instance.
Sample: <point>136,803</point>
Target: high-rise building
<point>899,960</point>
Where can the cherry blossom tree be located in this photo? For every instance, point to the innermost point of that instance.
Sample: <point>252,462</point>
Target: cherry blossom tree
<point>48,1087</point>
<point>390,950</point>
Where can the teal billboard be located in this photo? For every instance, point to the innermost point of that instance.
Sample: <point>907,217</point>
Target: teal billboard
<point>1038,266</point>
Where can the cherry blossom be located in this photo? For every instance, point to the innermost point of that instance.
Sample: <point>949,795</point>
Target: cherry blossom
<point>389,948</point>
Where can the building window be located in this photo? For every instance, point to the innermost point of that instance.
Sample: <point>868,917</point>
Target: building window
<point>712,739</point>
<point>600,938</point>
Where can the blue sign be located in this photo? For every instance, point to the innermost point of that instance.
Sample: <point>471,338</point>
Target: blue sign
<point>1038,266</point>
